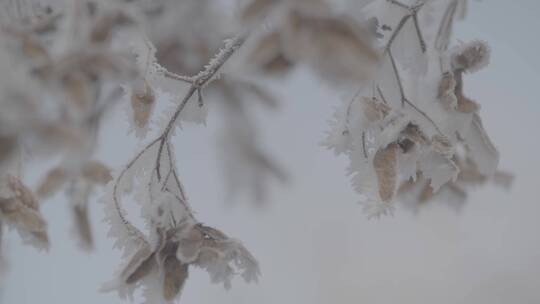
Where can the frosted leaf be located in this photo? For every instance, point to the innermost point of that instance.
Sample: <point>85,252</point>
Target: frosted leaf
<point>442,145</point>
<point>219,254</point>
<point>471,56</point>
<point>439,169</point>
<point>482,150</point>
<point>338,137</point>
<point>376,209</point>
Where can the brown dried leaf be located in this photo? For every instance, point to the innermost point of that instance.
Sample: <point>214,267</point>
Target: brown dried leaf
<point>257,8</point>
<point>96,172</point>
<point>105,26</point>
<point>52,183</point>
<point>268,54</point>
<point>79,89</point>
<point>174,277</point>
<point>466,105</point>
<point>190,245</point>
<point>82,225</point>
<point>142,101</point>
<point>339,48</point>
<point>385,164</point>
<point>25,218</point>
<point>139,266</point>
<point>22,193</point>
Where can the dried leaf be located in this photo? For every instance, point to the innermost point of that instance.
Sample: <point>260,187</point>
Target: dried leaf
<point>466,105</point>
<point>174,277</point>
<point>190,245</point>
<point>269,56</point>
<point>385,164</point>
<point>139,266</point>
<point>96,172</point>
<point>22,193</point>
<point>482,151</point>
<point>25,219</point>
<point>82,225</point>
<point>79,89</point>
<point>52,183</point>
<point>142,101</point>
<point>257,8</point>
<point>339,49</point>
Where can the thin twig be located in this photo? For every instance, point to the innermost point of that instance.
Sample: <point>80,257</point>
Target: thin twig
<point>381,94</point>
<point>398,78</point>
<point>197,82</point>
<point>364,144</point>
<point>398,29</point>
<point>419,33</point>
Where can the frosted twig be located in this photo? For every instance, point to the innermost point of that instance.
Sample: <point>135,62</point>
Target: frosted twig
<point>197,82</point>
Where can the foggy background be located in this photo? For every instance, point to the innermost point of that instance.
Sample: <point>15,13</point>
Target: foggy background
<point>311,238</point>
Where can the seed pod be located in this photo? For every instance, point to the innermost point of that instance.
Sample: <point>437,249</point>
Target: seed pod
<point>96,172</point>
<point>22,193</point>
<point>142,101</point>
<point>385,162</point>
<point>190,246</point>
<point>174,277</point>
<point>82,226</point>
<point>52,183</point>
<point>139,266</point>
<point>25,219</point>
